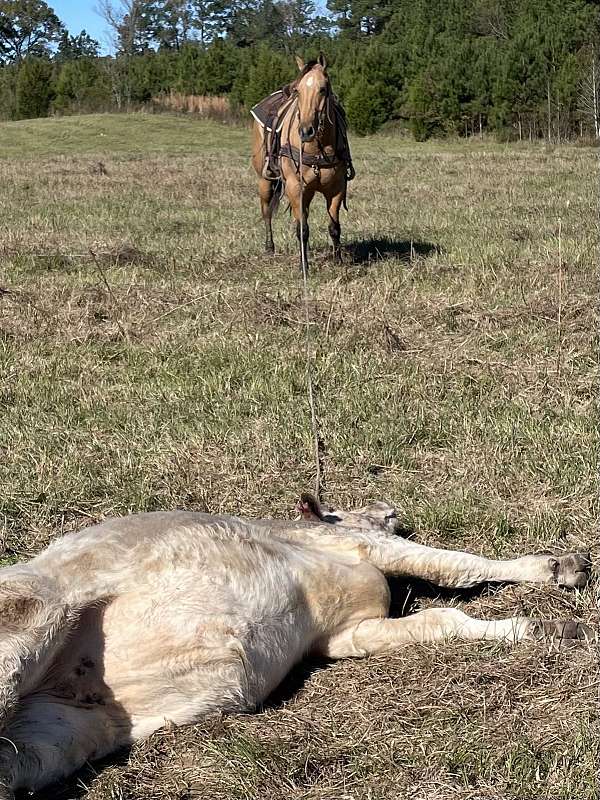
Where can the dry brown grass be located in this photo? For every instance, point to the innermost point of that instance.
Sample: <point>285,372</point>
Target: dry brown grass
<point>167,371</point>
<point>204,106</point>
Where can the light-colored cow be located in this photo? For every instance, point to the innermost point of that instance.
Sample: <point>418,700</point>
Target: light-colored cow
<point>112,631</point>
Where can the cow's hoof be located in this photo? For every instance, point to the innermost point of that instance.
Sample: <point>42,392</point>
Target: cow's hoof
<point>572,569</point>
<point>563,629</point>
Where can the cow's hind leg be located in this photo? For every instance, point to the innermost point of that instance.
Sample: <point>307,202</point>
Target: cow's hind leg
<point>49,738</point>
<point>435,624</point>
<point>396,556</point>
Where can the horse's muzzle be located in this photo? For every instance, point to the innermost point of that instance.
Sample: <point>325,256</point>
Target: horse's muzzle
<point>307,133</point>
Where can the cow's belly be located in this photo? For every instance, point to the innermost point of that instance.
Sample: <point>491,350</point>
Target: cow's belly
<point>213,635</point>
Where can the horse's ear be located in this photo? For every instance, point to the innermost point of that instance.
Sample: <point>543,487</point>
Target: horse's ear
<point>300,62</point>
<point>322,60</point>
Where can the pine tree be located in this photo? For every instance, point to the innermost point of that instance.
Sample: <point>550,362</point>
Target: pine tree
<point>81,86</point>
<point>34,90</point>
<point>71,48</point>
<point>270,71</point>
<point>8,93</point>
<point>367,107</point>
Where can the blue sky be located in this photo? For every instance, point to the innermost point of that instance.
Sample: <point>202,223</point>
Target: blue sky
<point>80,14</point>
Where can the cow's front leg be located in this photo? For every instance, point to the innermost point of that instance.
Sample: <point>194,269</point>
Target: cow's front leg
<point>396,556</point>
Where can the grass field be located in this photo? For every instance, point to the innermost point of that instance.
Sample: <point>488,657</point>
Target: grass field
<point>151,357</point>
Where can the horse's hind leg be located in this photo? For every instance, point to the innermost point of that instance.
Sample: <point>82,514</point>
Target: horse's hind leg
<point>50,738</point>
<point>266,191</point>
<point>34,622</point>
<point>334,203</point>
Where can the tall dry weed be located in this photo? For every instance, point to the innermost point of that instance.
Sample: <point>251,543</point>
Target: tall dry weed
<point>204,106</point>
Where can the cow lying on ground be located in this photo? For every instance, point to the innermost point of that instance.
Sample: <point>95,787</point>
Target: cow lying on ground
<point>112,631</point>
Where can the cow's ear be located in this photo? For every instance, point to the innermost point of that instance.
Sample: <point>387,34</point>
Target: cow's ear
<point>322,60</point>
<point>309,507</point>
<point>300,63</point>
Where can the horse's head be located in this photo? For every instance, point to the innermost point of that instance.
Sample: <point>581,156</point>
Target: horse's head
<point>312,89</point>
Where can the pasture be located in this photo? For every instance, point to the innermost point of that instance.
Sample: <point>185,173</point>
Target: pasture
<point>152,358</point>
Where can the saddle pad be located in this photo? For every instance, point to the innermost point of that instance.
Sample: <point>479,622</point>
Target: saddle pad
<point>266,110</point>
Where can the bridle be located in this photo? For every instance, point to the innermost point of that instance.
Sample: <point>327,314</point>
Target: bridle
<point>324,112</point>
<point>328,112</point>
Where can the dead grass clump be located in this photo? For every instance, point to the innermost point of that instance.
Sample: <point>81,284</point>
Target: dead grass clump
<point>123,255</point>
<point>290,311</point>
<point>204,106</point>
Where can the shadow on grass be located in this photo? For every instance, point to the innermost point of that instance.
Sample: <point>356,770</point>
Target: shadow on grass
<point>383,248</point>
<point>76,786</point>
<point>404,594</point>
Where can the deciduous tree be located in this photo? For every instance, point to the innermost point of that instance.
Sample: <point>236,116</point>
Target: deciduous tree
<point>27,28</point>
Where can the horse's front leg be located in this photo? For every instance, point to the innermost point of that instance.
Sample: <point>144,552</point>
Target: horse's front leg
<point>397,556</point>
<point>300,203</point>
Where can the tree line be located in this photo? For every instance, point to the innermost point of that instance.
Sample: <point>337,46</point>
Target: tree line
<point>514,68</point>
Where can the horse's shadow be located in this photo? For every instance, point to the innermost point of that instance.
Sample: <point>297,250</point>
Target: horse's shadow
<point>76,786</point>
<point>366,251</point>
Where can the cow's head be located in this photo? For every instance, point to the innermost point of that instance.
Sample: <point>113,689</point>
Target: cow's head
<point>376,516</point>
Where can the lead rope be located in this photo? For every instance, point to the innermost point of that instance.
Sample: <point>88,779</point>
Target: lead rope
<point>308,351</point>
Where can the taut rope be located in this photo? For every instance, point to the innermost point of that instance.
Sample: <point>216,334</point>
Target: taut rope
<point>308,351</point>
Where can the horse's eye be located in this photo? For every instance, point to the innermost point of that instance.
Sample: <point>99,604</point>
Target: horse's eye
<point>322,90</point>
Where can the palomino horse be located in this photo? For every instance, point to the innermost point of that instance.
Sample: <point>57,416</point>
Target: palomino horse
<point>313,156</point>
